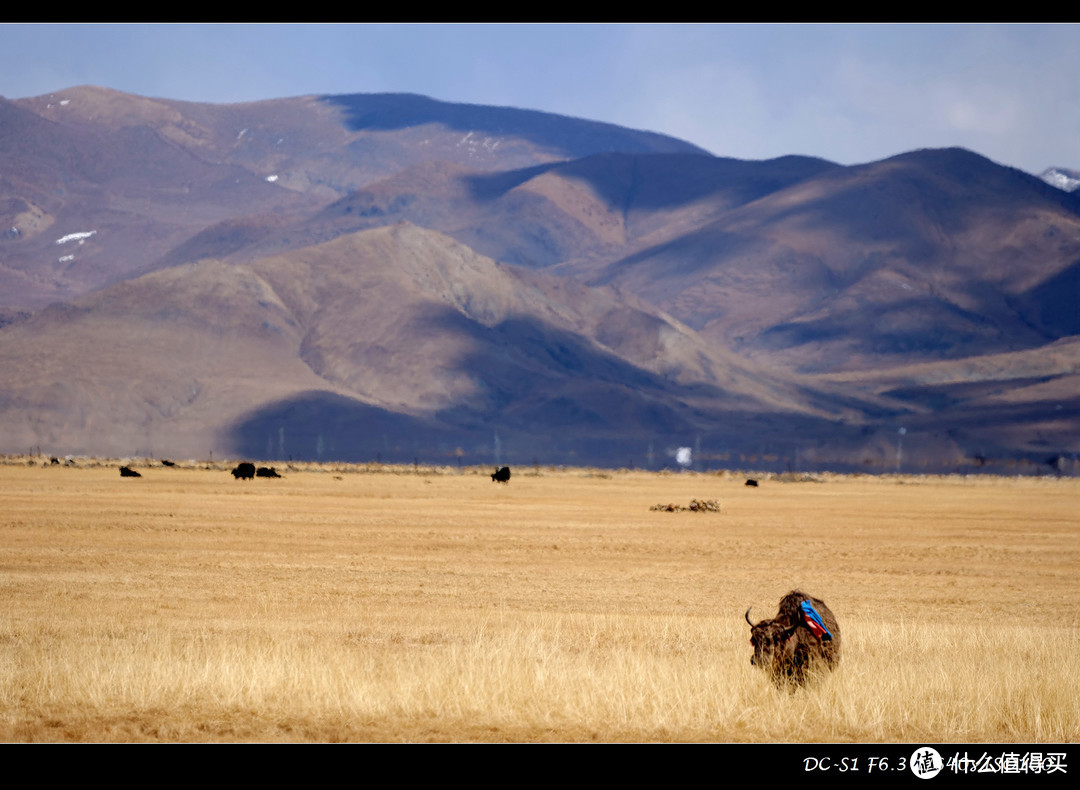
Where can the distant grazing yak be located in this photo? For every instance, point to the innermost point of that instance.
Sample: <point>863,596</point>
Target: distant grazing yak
<point>752,483</point>
<point>128,472</point>
<point>501,475</point>
<point>167,463</point>
<point>266,471</point>
<point>245,471</point>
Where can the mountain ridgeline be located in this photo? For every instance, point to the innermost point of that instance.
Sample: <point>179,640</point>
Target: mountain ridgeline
<point>394,277</point>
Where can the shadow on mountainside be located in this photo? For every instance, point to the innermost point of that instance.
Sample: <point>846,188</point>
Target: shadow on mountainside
<point>573,136</point>
<point>1051,305</point>
<point>325,426</point>
<point>649,181</point>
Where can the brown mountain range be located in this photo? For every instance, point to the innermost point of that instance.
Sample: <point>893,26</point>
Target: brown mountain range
<point>391,276</point>
<point>396,338</point>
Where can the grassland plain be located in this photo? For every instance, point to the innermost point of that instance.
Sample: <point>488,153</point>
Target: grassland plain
<point>369,603</point>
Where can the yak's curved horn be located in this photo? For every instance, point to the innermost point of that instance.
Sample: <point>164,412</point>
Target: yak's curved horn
<point>747,615</point>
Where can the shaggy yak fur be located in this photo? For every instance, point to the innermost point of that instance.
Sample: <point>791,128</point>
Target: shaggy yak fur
<point>787,648</point>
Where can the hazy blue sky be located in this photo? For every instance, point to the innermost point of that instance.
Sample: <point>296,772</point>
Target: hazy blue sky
<point>848,93</point>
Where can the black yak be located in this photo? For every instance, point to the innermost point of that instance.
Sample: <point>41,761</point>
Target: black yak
<point>245,471</point>
<point>803,639</point>
<point>752,483</point>
<point>502,474</point>
<point>128,472</point>
<point>266,471</point>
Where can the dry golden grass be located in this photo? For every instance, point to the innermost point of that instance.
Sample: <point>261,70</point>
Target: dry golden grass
<point>377,604</point>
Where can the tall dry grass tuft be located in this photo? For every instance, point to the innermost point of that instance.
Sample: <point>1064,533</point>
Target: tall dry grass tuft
<point>561,677</point>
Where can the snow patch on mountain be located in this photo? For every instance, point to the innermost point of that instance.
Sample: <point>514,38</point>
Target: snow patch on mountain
<point>80,237</point>
<point>1062,178</point>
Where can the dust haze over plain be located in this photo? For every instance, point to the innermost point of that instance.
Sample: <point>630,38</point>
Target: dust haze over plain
<point>849,93</point>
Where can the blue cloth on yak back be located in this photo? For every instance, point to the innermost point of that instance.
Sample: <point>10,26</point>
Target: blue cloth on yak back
<point>814,621</point>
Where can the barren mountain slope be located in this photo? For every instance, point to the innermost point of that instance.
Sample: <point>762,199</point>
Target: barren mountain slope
<point>331,145</point>
<point>159,365</point>
<point>83,206</point>
<point>996,405</point>
<point>396,327</point>
<point>594,207</point>
<point>927,255</point>
<point>147,179</point>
